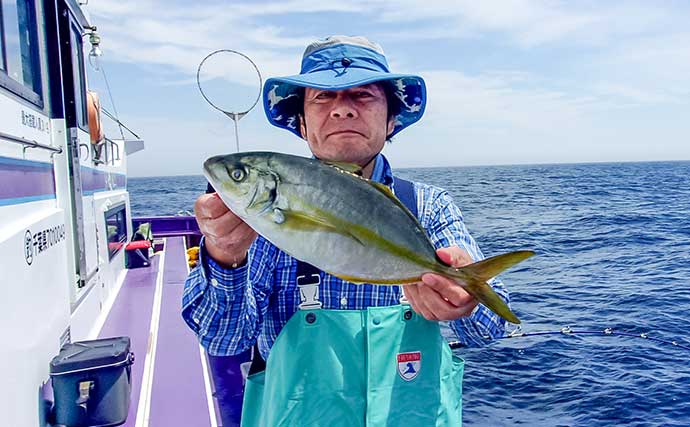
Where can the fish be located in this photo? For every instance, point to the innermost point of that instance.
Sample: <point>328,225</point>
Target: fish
<point>353,228</point>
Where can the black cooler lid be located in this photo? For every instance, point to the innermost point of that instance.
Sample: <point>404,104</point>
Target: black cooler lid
<point>90,354</point>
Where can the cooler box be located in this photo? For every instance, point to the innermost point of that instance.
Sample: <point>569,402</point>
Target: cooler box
<point>92,382</point>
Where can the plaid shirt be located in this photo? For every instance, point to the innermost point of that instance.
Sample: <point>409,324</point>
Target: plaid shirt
<point>229,310</point>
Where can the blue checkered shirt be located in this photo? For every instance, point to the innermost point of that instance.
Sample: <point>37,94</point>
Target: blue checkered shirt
<point>231,309</point>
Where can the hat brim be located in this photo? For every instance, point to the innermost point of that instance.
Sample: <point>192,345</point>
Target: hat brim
<point>280,94</point>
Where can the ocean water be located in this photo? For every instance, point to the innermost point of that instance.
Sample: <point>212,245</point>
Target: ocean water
<point>613,251</point>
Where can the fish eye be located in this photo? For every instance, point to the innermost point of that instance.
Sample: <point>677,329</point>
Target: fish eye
<point>238,175</point>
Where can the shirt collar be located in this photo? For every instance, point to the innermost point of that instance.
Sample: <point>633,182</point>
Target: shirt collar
<point>382,171</point>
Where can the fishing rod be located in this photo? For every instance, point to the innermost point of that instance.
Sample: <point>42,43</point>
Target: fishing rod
<point>567,330</point>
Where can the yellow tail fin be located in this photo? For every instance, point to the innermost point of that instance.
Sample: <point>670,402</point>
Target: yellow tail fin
<point>475,276</point>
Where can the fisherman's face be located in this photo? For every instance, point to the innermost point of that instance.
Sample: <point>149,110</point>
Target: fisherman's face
<point>349,125</point>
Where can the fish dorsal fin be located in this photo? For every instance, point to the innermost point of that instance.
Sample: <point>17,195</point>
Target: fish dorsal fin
<point>347,167</point>
<point>384,189</point>
<point>388,193</point>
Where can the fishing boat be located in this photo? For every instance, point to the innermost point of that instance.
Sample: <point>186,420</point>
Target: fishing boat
<point>75,285</point>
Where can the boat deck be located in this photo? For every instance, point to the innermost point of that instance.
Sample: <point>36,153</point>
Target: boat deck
<point>171,384</point>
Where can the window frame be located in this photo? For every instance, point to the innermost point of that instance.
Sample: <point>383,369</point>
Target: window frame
<point>122,233</point>
<point>77,35</point>
<point>10,84</point>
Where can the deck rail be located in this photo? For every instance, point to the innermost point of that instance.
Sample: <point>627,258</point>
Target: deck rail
<point>170,226</point>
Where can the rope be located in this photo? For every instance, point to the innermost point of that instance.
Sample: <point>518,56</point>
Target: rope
<point>567,330</point>
<point>112,101</point>
<point>99,67</point>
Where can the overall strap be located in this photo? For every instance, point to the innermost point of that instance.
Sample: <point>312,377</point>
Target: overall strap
<point>308,281</point>
<point>404,190</point>
<point>309,277</point>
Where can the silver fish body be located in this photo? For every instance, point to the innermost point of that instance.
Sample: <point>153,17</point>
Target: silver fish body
<point>341,223</point>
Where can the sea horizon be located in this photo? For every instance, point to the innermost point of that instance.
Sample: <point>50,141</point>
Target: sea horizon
<point>603,162</point>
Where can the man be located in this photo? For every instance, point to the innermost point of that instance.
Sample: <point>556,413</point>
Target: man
<point>361,357</point>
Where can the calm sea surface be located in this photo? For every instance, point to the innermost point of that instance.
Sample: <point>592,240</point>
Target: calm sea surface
<point>613,246</point>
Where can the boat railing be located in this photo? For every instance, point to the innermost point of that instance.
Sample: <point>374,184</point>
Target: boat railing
<point>171,226</point>
<point>27,143</point>
<point>108,151</point>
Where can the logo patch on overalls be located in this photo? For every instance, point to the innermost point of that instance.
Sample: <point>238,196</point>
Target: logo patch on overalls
<point>409,364</point>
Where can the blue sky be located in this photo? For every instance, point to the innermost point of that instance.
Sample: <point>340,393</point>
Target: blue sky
<point>509,82</point>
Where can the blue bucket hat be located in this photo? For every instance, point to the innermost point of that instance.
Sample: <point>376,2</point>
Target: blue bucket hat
<point>336,63</point>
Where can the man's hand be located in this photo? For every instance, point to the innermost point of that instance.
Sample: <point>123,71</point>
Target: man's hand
<point>228,238</point>
<point>440,298</point>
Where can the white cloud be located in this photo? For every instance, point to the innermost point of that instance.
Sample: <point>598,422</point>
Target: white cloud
<point>456,99</point>
<point>619,62</point>
<point>661,61</point>
<point>635,96</point>
<point>486,119</point>
<point>530,23</point>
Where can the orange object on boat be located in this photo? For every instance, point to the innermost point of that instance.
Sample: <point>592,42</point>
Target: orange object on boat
<point>94,113</point>
<point>139,244</point>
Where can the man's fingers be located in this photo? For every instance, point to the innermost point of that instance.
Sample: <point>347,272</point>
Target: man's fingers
<point>454,256</point>
<point>231,234</point>
<point>210,206</point>
<point>228,237</point>
<point>412,295</point>
<point>221,225</point>
<point>439,307</point>
<point>417,302</point>
<point>426,301</point>
<point>447,288</point>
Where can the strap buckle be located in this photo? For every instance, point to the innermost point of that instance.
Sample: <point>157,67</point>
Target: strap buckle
<point>403,299</point>
<point>309,292</point>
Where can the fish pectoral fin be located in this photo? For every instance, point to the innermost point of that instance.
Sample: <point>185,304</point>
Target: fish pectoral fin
<point>303,221</point>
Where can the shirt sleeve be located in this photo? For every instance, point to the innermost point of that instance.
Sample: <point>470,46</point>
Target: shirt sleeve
<point>444,223</point>
<point>225,308</point>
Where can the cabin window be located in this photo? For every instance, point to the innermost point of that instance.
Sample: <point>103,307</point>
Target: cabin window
<point>78,76</point>
<point>2,45</point>
<point>116,229</point>
<point>21,71</point>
